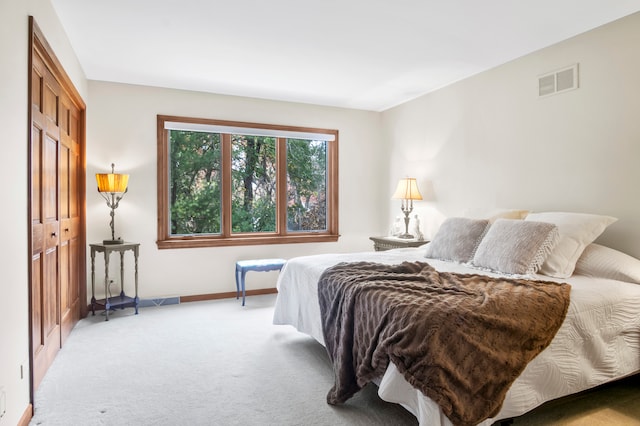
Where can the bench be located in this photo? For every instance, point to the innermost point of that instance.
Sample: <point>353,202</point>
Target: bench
<point>243,266</point>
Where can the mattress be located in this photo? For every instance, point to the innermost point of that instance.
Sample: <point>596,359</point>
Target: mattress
<point>598,342</point>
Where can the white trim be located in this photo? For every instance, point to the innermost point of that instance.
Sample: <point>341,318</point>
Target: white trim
<point>212,128</point>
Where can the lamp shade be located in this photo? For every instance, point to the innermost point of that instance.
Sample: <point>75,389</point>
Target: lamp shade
<point>112,182</point>
<point>407,189</point>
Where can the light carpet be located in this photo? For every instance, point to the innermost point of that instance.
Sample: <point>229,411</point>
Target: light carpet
<point>199,363</point>
<point>218,363</point>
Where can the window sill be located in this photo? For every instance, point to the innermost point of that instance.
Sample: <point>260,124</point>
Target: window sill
<point>195,242</point>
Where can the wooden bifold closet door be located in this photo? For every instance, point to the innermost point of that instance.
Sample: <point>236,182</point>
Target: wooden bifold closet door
<point>56,195</point>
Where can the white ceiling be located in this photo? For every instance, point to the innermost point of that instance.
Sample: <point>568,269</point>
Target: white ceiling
<point>364,54</point>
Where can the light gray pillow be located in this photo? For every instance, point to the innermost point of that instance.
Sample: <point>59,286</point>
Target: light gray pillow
<point>457,239</point>
<point>515,246</point>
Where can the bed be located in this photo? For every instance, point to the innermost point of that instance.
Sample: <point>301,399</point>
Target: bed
<point>598,341</point>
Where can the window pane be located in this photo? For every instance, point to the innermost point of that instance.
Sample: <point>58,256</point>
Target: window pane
<point>253,174</point>
<point>194,182</point>
<point>307,185</point>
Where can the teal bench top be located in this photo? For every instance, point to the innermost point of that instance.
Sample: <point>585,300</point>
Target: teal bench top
<point>257,263</point>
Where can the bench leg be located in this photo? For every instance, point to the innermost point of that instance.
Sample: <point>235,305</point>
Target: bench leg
<point>237,283</point>
<point>242,284</point>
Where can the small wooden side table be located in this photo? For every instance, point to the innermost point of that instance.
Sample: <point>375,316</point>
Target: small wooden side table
<point>388,243</point>
<point>122,301</point>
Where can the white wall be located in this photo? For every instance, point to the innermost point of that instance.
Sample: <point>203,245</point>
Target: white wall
<point>122,129</point>
<point>14,263</point>
<point>489,142</point>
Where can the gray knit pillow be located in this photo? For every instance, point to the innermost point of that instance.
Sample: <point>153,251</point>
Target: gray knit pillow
<point>457,239</point>
<point>516,246</point>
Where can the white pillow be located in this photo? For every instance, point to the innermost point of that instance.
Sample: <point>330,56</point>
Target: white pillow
<point>604,262</point>
<point>577,230</point>
<point>508,214</point>
<point>493,214</point>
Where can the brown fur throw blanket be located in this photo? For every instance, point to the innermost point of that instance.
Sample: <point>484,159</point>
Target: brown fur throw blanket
<point>460,339</point>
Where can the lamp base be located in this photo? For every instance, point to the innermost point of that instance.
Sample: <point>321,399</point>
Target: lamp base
<point>406,236</point>
<point>111,242</point>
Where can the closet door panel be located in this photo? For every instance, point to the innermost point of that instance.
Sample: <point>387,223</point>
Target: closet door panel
<point>69,215</point>
<point>45,219</point>
<point>38,336</point>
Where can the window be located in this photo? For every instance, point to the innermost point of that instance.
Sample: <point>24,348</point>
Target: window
<point>232,183</point>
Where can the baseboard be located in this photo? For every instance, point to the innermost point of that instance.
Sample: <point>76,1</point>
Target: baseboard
<point>228,295</point>
<point>26,416</point>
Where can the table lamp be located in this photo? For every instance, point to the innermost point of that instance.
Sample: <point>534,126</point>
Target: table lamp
<point>112,187</point>
<point>407,191</point>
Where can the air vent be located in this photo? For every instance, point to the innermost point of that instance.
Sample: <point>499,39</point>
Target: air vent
<point>558,81</point>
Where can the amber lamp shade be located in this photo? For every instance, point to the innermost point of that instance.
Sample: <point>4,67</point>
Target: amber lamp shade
<point>112,182</point>
<point>112,186</point>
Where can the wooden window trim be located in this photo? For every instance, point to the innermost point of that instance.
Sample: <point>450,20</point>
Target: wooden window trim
<point>281,236</point>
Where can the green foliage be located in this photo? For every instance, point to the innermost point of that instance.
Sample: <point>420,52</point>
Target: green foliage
<point>254,184</point>
<point>195,183</point>
<point>307,185</point>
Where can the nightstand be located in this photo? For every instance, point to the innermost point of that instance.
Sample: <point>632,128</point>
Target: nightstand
<point>388,243</point>
<point>121,300</point>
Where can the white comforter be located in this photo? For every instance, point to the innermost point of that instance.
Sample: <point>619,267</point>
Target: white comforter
<point>598,342</point>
